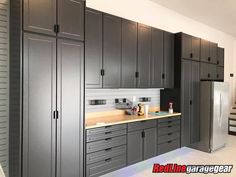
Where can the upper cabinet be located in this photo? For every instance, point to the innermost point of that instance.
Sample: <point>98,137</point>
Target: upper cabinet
<point>220,56</point>
<point>111,51</point>
<point>93,48</point>
<point>190,46</point>
<point>208,52</point>
<point>129,54</point>
<point>71,19</point>
<point>144,56</point>
<point>65,19</point>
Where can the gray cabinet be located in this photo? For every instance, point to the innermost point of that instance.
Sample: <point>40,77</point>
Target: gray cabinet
<point>220,56</point>
<point>208,52</point>
<point>135,147</point>
<point>190,101</point>
<point>111,51</point>
<point>69,104</point>
<point>39,102</point>
<point>93,48</point>
<point>208,71</point>
<point>129,54</point>
<point>149,143</point>
<point>71,19</point>
<point>40,17</point>
<point>65,17</point>
<point>144,56</point>
<point>220,73</point>
<point>52,102</point>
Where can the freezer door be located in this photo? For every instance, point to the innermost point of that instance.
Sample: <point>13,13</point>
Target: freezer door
<point>220,113</point>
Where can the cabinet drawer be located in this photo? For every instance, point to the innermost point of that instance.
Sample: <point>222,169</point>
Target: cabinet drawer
<point>141,125</point>
<point>106,166</point>
<point>106,143</point>
<point>105,129</point>
<point>168,119</point>
<point>167,147</point>
<point>169,123</point>
<point>168,137</point>
<point>104,135</point>
<point>106,154</point>
<point>168,129</point>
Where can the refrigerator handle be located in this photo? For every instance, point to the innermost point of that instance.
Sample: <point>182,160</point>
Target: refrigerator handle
<point>220,109</point>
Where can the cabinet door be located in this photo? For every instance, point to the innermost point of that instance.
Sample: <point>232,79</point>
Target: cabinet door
<point>150,143</point>
<point>213,52</point>
<point>213,71</point>
<point>195,121</point>
<point>69,104</point>
<point>71,19</point>
<point>169,39</point>
<point>157,71</point>
<point>40,16</point>
<point>186,46</point>
<point>135,147</point>
<point>144,56</point>
<point>186,78</point>
<point>93,49</point>
<point>220,73</point>
<point>111,51</point>
<point>195,48</point>
<point>220,56</point>
<point>205,73</point>
<point>129,54</point>
<point>205,50</point>
<point>39,102</point>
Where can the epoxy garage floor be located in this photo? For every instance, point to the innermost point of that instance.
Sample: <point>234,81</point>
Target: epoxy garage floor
<point>225,156</point>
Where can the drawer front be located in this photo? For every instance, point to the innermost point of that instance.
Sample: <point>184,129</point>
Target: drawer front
<point>168,137</point>
<point>167,147</point>
<point>106,166</point>
<point>141,125</point>
<point>104,135</point>
<point>106,129</point>
<point>169,123</point>
<point>105,144</point>
<point>169,129</point>
<point>106,154</point>
<point>168,119</point>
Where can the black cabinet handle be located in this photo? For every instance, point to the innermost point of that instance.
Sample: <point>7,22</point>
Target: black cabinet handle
<point>169,133</point>
<point>191,55</point>
<point>169,141</point>
<point>108,139</point>
<point>107,133</point>
<point>108,149</point>
<point>108,126</point>
<point>143,134</point>
<point>209,58</point>
<point>217,75</point>
<point>108,160</point>
<point>190,102</point>
<point>218,62</point>
<point>169,126</point>
<point>209,75</point>
<point>169,121</point>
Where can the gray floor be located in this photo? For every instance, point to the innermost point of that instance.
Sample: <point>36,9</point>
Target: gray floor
<point>225,156</point>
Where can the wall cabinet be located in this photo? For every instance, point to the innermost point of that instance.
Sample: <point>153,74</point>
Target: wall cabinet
<point>144,56</point>
<point>56,17</point>
<point>190,101</point>
<point>129,54</point>
<point>208,51</point>
<point>93,48</point>
<point>50,122</point>
<point>190,46</point>
<point>220,73</point>
<point>208,71</point>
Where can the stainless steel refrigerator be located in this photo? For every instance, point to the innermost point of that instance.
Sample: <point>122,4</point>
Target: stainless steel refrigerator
<point>214,112</point>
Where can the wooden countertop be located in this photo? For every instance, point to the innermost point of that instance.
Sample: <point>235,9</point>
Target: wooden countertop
<point>101,121</point>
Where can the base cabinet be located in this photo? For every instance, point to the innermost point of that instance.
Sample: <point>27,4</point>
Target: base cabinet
<point>113,147</point>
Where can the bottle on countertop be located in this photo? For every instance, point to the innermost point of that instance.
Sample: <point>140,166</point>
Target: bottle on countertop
<point>171,108</point>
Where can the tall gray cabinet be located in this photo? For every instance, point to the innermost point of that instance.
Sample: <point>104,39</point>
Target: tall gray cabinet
<point>48,55</point>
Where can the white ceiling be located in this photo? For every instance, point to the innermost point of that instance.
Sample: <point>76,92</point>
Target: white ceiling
<point>219,14</point>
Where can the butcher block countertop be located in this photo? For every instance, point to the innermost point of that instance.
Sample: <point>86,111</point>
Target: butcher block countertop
<point>95,120</point>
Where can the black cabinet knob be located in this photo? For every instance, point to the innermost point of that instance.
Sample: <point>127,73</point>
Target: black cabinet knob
<point>209,75</point>
<point>191,55</point>
<point>209,58</point>
<point>218,62</point>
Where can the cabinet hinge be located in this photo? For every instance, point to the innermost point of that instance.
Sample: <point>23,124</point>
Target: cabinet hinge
<point>55,115</point>
<point>143,134</point>
<point>136,74</point>
<point>102,72</point>
<point>163,76</point>
<point>56,28</point>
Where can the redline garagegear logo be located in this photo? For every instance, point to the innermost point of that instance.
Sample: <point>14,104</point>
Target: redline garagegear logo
<point>175,168</point>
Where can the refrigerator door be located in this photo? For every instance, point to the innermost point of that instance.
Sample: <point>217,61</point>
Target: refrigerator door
<point>220,113</point>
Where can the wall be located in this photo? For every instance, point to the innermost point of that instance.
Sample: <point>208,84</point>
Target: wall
<point>150,13</point>
<point>111,94</point>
